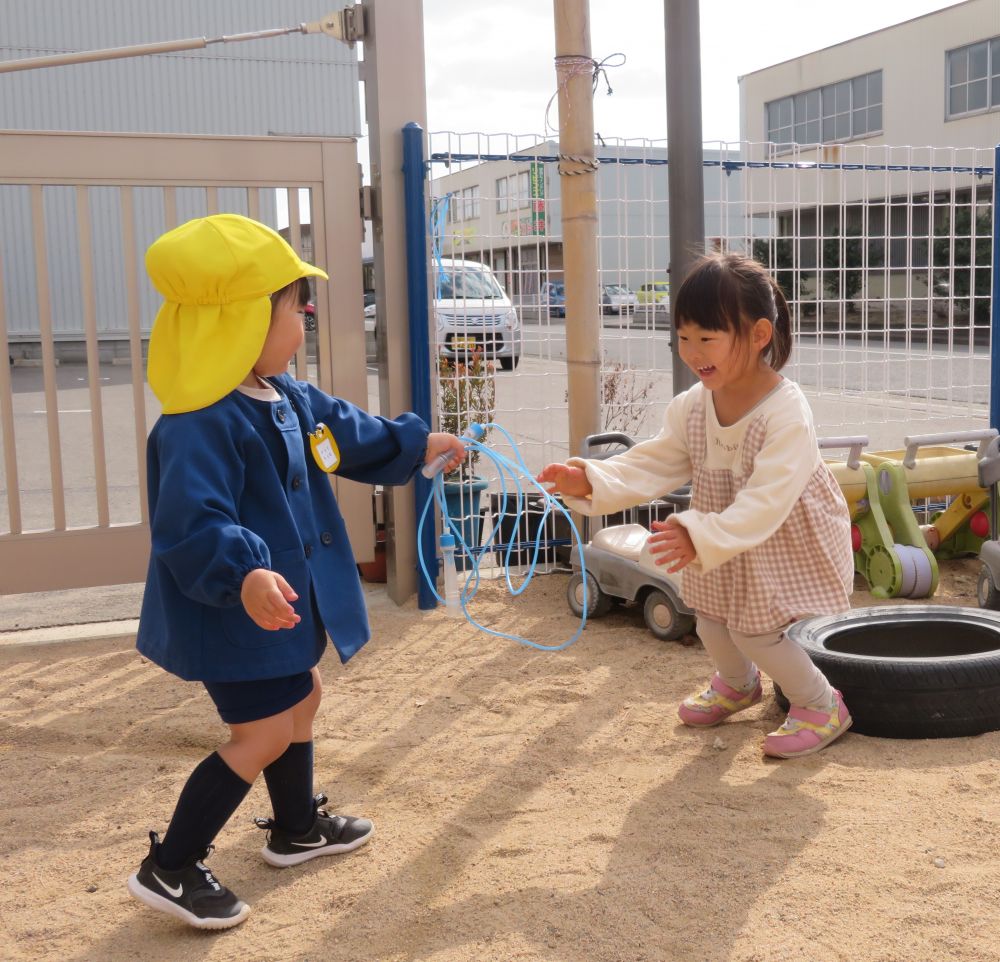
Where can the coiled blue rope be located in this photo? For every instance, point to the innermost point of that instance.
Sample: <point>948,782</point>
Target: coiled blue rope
<point>510,473</point>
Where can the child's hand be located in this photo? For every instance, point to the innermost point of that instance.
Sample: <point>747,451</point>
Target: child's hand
<point>439,443</point>
<point>266,596</point>
<point>561,478</point>
<point>672,545</point>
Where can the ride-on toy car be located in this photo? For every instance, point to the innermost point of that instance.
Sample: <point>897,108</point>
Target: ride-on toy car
<point>987,590</point>
<point>619,567</point>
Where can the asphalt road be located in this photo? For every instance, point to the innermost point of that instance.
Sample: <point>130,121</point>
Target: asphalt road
<point>874,391</point>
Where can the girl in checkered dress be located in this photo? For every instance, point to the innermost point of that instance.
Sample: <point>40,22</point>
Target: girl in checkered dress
<point>766,540</point>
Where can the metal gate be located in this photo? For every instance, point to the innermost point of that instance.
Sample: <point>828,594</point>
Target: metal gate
<point>75,313</point>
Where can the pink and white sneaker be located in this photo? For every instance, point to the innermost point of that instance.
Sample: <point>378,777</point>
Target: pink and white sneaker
<point>717,702</point>
<point>806,731</point>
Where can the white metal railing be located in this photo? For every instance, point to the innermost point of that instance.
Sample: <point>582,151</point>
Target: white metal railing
<point>882,251</point>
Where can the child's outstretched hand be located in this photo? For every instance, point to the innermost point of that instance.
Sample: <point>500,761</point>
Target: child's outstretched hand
<point>565,479</point>
<point>266,596</point>
<point>671,545</point>
<point>440,443</point>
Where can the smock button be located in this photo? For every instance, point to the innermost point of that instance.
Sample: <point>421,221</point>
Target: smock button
<point>326,537</point>
<point>296,483</point>
<point>309,550</point>
<point>281,415</point>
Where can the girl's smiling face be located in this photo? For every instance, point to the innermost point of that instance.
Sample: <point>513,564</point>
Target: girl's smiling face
<point>718,357</point>
<point>709,354</point>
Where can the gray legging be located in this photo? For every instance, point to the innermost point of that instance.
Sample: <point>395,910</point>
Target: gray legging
<point>735,654</point>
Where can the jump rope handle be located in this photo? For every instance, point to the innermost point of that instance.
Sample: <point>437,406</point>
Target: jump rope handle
<point>452,594</point>
<point>473,432</point>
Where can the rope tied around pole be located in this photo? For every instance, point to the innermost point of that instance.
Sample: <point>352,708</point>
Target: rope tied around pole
<point>584,165</point>
<point>572,65</point>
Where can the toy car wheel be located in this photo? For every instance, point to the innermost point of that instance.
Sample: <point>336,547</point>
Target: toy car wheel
<point>986,589</point>
<point>598,603</point>
<point>663,619</point>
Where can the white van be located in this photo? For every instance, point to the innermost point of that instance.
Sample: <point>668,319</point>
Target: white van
<point>472,312</point>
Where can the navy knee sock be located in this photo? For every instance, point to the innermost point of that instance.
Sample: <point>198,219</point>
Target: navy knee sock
<point>290,784</point>
<point>210,796</point>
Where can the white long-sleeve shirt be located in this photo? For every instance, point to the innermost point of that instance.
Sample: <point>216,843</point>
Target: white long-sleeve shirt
<point>769,524</point>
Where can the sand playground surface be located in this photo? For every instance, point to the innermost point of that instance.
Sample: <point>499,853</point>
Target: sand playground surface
<point>529,806</point>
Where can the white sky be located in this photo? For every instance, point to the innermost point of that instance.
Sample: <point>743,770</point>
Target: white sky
<point>490,62</point>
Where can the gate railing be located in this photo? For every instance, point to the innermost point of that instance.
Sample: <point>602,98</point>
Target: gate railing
<point>77,212</point>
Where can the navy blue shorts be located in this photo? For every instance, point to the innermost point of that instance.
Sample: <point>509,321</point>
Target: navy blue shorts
<point>246,701</point>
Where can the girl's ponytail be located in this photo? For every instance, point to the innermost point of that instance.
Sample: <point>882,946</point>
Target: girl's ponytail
<point>780,347</point>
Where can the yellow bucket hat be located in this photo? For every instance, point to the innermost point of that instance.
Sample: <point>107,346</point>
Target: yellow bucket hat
<point>216,275</point>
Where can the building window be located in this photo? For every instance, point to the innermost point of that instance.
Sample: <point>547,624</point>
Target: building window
<point>514,192</point>
<point>806,111</point>
<point>840,111</point>
<point>470,203</point>
<point>974,78</point>
<point>502,195</point>
<point>521,193</point>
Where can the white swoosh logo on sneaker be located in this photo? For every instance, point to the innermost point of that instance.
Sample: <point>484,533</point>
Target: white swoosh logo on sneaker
<point>175,892</point>
<point>322,841</point>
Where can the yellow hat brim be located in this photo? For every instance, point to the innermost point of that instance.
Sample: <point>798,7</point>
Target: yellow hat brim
<point>198,353</point>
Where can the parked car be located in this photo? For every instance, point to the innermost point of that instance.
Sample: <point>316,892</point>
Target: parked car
<point>617,299</point>
<point>654,292</point>
<point>370,350</point>
<point>553,296</point>
<point>472,312</point>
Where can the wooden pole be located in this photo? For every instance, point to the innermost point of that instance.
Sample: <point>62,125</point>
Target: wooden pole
<point>394,97</point>
<point>578,173</point>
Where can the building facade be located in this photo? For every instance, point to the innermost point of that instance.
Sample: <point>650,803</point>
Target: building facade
<point>894,134</point>
<point>933,80</point>
<point>508,213</point>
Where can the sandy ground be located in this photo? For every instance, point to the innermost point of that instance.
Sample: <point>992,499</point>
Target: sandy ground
<point>530,806</point>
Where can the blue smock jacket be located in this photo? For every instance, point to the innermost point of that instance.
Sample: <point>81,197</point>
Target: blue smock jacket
<point>233,487</point>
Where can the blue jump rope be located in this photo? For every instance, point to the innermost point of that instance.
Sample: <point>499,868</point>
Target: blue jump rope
<point>452,540</point>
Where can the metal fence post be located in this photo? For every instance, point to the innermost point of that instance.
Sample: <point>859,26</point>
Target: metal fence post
<point>995,299</point>
<point>414,184</point>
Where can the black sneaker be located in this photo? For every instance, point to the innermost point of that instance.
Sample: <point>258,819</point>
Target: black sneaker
<point>190,893</point>
<point>330,835</point>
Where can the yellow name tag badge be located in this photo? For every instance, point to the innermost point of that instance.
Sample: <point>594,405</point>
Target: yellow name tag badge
<point>324,448</point>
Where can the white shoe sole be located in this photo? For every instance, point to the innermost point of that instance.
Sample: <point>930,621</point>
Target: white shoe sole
<point>161,904</point>
<point>297,858</point>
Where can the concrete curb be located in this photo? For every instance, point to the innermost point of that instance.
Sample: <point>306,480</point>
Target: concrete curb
<point>95,631</point>
<point>125,630</point>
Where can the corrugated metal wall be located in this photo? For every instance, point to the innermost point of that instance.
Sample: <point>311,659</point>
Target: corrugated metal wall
<point>295,85</point>
<point>285,85</point>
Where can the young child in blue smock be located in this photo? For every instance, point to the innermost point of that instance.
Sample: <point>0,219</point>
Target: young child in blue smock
<point>251,567</point>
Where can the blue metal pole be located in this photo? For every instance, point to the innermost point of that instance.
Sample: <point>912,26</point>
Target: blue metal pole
<point>995,299</point>
<point>414,184</point>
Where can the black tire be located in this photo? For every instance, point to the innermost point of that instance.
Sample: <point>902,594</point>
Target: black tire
<point>986,589</point>
<point>509,363</point>
<point>910,671</point>
<point>662,617</point>
<point>598,603</point>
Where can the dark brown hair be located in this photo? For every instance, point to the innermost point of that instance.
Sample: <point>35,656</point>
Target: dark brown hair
<point>298,290</point>
<point>729,292</point>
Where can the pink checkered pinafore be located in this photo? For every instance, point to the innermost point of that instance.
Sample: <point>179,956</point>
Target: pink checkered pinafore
<point>805,568</point>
